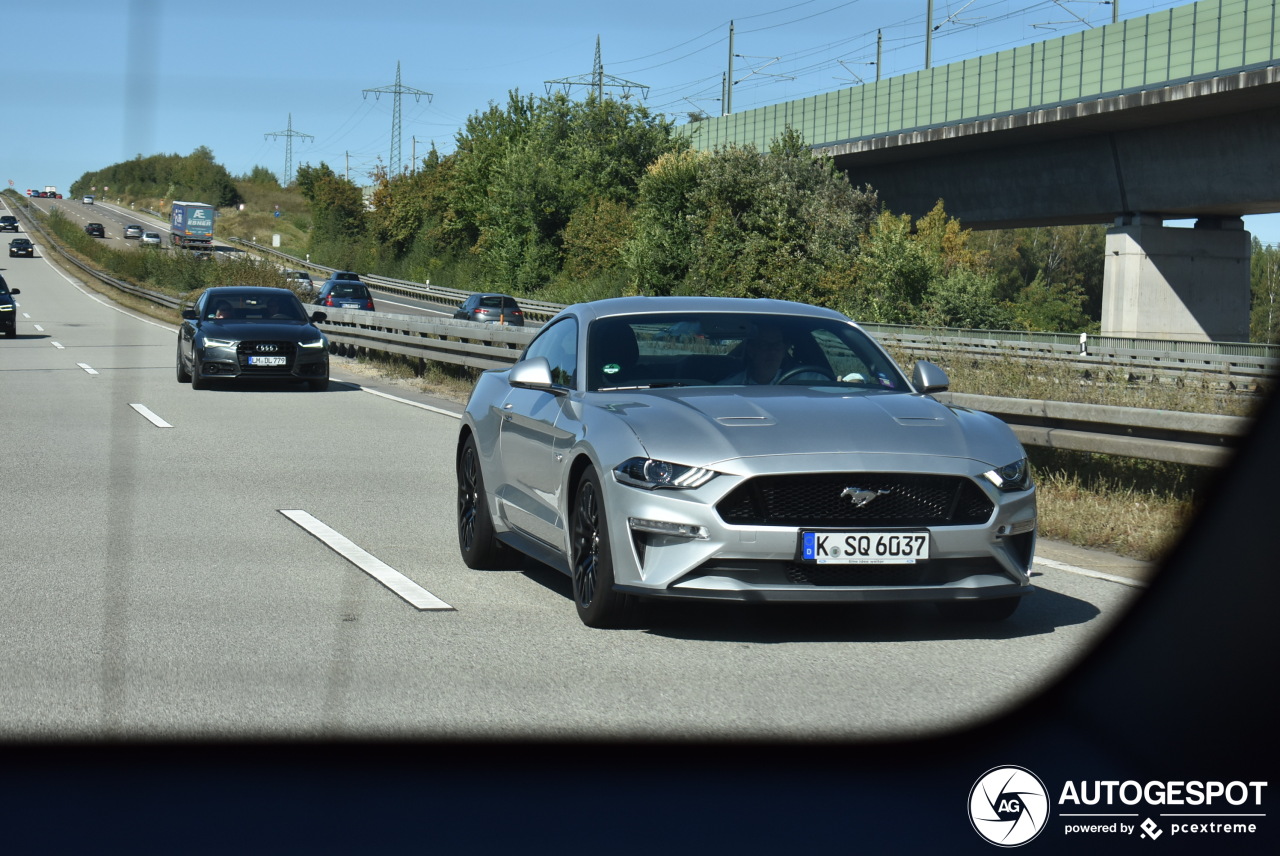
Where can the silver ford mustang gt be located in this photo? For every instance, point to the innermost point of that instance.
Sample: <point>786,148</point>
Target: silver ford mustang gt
<point>735,449</point>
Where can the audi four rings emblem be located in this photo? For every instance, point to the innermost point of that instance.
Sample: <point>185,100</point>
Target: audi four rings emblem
<point>267,349</point>
<point>860,496</point>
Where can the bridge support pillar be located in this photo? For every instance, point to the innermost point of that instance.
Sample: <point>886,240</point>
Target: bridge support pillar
<point>1177,283</point>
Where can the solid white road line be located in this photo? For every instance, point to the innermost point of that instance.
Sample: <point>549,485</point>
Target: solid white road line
<point>411,403</point>
<point>415,594</point>
<point>87,368</point>
<point>1072,569</point>
<point>150,417</point>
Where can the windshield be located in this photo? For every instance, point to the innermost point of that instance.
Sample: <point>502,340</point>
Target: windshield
<point>724,349</point>
<point>254,308</point>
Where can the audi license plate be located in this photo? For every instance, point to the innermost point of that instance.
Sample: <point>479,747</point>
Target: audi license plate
<point>267,361</point>
<point>864,547</point>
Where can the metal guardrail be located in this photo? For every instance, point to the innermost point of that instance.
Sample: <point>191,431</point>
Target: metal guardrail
<point>1162,435</point>
<point>1228,363</point>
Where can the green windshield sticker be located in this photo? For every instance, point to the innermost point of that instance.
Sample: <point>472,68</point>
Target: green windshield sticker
<point>612,368</point>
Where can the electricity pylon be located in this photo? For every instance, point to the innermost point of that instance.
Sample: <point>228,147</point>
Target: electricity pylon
<point>288,135</point>
<point>598,80</point>
<point>397,90</point>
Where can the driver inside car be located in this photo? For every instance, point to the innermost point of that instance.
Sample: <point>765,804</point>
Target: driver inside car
<point>764,359</point>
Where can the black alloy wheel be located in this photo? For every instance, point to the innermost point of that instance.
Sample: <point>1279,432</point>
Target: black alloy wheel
<point>597,603</point>
<point>477,541</point>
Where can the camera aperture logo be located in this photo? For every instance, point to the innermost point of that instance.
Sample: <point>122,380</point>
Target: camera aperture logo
<point>1008,806</point>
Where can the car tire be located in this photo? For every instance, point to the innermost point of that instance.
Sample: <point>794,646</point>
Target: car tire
<point>477,540</point>
<point>197,379</point>
<point>996,609</point>
<point>591,560</point>
<point>319,384</point>
<point>184,376</point>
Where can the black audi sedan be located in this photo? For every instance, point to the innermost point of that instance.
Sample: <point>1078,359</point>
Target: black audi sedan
<point>8,310</point>
<point>237,332</point>
<point>22,247</point>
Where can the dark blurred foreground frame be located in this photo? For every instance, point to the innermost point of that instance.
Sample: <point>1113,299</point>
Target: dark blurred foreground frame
<point>1182,689</point>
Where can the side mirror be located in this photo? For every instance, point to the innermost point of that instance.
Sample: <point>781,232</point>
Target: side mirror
<point>317,317</point>
<point>533,373</point>
<point>190,315</point>
<point>15,291</point>
<point>928,377</point>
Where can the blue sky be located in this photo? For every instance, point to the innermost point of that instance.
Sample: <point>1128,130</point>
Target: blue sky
<point>95,82</point>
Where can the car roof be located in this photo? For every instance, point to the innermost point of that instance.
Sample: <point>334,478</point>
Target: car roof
<point>614,306</point>
<point>263,291</point>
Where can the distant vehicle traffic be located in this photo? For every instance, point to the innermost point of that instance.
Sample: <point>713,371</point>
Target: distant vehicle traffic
<point>8,223</point>
<point>22,247</point>
<point>95,230</point>
<point>8,310</point>
<point>87,200</point>
<point>191,226</point>
<point>133,230</point>
<point>300,279</point>
<point>345,294</point>
<point>240,332</point>
<point>491,309</point>
<point>151,239</point>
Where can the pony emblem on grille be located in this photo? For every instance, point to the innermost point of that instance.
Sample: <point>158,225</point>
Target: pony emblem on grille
<point>861,496</point>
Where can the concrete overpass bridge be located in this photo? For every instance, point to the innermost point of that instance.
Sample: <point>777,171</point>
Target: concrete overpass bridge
<point>1171,116</point>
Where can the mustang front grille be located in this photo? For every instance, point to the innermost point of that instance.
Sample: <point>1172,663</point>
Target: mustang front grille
<point>831,500</point>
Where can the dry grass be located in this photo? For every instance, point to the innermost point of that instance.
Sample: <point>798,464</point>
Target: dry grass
<point>1131,507</point>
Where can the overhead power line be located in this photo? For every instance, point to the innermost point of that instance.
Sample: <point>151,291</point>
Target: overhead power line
<point>289,133</point>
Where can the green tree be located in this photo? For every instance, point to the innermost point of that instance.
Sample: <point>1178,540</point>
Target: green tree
<point>782,224</point>
<point>1264,312</point>
<point>337,206</point>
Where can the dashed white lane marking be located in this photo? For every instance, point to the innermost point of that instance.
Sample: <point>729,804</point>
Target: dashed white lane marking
<point>58,345</point>
<point>149,416</point>
<point>1086,572</point>
<point>39,329</point>
<point>88,369</point>
<point>415,594</point>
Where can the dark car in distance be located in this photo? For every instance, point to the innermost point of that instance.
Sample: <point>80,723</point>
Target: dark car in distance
<point>8,223</point>
<point>491,309</point>
<point>344,294</point>
<point>8,310</point>
<point>22,247</point>
<point>239,332</point>
<point>95,230</point>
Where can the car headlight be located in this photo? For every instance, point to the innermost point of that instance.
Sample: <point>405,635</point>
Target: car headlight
<point>318,343</point>
<point>1010,477</point>
<point>650,474</point>
<point>220,343</point>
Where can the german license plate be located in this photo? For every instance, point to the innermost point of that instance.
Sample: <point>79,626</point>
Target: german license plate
<point>267,361</point>
<point>864,547</point>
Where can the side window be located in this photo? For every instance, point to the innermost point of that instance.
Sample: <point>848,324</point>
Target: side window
<point>559,344</point>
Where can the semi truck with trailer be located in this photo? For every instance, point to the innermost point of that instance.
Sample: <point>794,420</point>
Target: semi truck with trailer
<point>191,226</point>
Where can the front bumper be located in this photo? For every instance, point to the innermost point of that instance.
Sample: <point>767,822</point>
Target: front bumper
<point>233,363</point>
<point>760,563</point>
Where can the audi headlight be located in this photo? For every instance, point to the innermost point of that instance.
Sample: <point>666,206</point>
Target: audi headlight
<point>650,474</point>
<point>220,343</point>
<point>318,343</point>
<point>1011,477</point>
